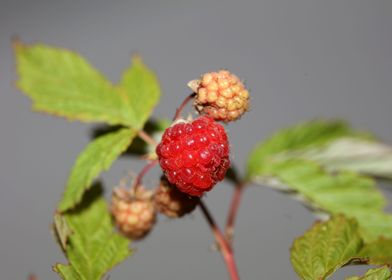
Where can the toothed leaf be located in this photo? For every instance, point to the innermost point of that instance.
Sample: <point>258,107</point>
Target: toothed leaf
<point>325,248</point>
<point>94,247</point>
<point>97,157</point>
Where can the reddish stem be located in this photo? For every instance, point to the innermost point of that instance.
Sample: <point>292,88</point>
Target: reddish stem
<point>147,138</point>
<point>224,247</point>
<point>143,172</point>
<point>182,106</point>
<point>231,218</point>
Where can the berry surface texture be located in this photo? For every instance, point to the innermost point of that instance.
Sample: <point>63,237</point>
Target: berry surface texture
<point>221,95</point>
<point>194,156</point>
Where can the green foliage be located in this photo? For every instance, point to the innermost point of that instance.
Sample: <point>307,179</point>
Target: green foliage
<point>381,273</point>
<point>62,83</point>
<point>325,248</point>
<point>93,248</point>
<point>280,163</point>
<point>306,135</point>
<point>329,245</point>
<point>368,157</point>
<point>142,90</point>
<point>317,160</point>
<point>374,224</point>
<point>98,156</point>
<point>62,230</point>
<point>378,252</point>
<point>346,192</point>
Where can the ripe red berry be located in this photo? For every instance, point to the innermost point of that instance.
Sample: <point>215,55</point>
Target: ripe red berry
<point>171,202</point>
<point>220,95</point>
<point>134,213</point>
<point>194,155</point>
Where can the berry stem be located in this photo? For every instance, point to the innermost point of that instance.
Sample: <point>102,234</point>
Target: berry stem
<point>183,104</point>
<point>224,247</point>
<point>234,206</point>
<point>147,138</point>
<point>143,172</point>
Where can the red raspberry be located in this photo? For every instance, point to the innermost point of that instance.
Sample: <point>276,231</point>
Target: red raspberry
<point>134,214</point>
<point>194,155</point>
<point>220,95</point>
<point>171,202</point>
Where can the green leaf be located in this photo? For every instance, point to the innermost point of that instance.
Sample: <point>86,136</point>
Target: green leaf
<point>97,157</point>
<point>380,273</point>
<point>354,195</point>
<point>62,230</point>
<point>288,161</point>
<point>368,157</point>
<point>325,248</point>
<point>93,247</point>
<point>374,224</point>
<point>141,87</point>
<point>333,192</point>
<point>312,134</point>
<point>62,83</point>
<point>378,252</point>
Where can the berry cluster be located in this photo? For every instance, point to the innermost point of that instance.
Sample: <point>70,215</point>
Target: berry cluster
<point>220,95</point>
<point>134,213</point>
<point>171,202</point>
<point>194,156</point>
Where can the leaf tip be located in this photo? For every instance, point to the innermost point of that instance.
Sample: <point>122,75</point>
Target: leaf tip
<point>137,59</point>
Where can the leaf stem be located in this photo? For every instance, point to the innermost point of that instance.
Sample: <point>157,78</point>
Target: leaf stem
<point>183,104</point>
<point>224,247</point>
<point>147,138</point>
<point>233,210</point>
<point>143,172</point>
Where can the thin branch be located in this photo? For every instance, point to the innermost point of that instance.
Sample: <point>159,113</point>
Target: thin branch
<point>225,249</point>
<point>233,210</point>
<point>147,138</point>
<point>143,172</point>
<point>182,106</point>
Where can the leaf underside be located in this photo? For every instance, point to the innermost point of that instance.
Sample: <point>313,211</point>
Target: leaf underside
<point>280,162</point>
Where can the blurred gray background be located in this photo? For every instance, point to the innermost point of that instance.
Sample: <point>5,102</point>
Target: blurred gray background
<point>300,58</point>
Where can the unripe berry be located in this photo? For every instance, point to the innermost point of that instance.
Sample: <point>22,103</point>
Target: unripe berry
<point>221,95</point>
<point>194,156</point>
<point>171,202</point>
<point>134,213</point>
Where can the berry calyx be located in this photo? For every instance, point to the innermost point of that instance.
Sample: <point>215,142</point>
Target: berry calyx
<point>194,156</point>
<point>171,202</point>
<point>221,95</point>
<point>133,212</point>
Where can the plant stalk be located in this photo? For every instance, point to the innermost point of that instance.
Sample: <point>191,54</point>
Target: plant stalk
<point>224,247</point>
<point>143,172</point>
<point>146,138</point>
<point>233,210</point>
<point>182,106</point>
